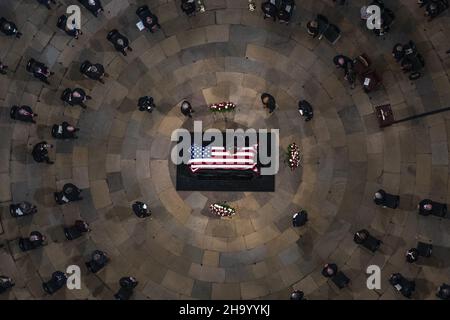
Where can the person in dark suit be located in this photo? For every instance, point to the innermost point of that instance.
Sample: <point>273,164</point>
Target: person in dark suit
<point>297,295</point>
<point>39,70</point>
<point>76,230</point>
<point>186,109</point>
<point>146,103</point>
<point>268,102</point>
<point>9,28</point>
<point>23,113</point>
<point>93,6</point>
<point>149,19</point>
<point>94,71</point>
<point>313,28</point>
<point>141,210</point>
<point>299,218</point>
<point>188,7</point>
<point>35,240</point>
<point>69,193</point>
<point>119,41</point>
<point>75,97</point>
<point>427,207</point>
<point>305,109</point>
<point>6,283</point>
<point>40,152</point>
<point>412,255</point>
<point>47,3</point>
<point>57,282</point>
<point>329,270</point>
<point>21,209</point>
<point>285,10</point>
<point>345,63</point>
<point>3,68</point>
<point>69,28</point>
<point>435,7</point>
<point>386,200</point>
<point>444,292</point>
<point>365,239</point>
<point>405,286</point>
<point>269,9</point>
<point>127,285</point>
<point>64,131</point>
<point>98,261</point>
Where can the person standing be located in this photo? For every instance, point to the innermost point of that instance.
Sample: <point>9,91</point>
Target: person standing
<point>3,68</point>
<point>186,109</point>
<point>146,103</point>
<point>268,102</point>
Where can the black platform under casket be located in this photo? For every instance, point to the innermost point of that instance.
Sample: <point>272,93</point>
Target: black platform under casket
<point>224,179</point>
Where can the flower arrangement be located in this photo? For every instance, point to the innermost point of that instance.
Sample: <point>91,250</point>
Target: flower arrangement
<point>222,209</point>
<point>293,156</point>
<point>222,107</point>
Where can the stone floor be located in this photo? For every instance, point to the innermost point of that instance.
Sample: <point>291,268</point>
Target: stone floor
<point>226,53</point>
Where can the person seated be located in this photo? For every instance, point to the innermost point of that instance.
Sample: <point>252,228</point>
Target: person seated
<point>443,292</point>
<point>329,270</point>
<point>9,28</point>
<point>47,3</point>
<point>141,209</point>
<point>146,103</point>
<point>297,295</point>
<point>75,231</point>
<point>93,71</point>
<point>93,6</point>
<point>427,207</point>
<point>285,11</point>
<point>98,261</point>
<point>149,20</point>
<point>119,41</point>
<point>40,152</point>
<point>299,218</point>
<point>188,7</point>
<point>39,70</point>
<point>364,238</point>
<point>412,255</point>
<point>127,284</point>
<point>186,109</point>
<point>268,102</point>
<point>313,28</point>
<point>435,7</point>
<point>386,200</point>
<point>413,64</point>
<point>23,113</point>
<point>21,209</point>
<point>269,9</point>
<point>387,19</point>
<point>402,284</point>
<point>6,283</point>
<point>69,28</point>
<point>3,68</point>
<point>75,97</point>
<point>35,240</point>
<point>69,193</point>
<point>347,65</point>
<point>305,109</point>
<point>58,281</point>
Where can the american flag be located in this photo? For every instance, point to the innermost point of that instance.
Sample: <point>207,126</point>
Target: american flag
<point>212,157</point>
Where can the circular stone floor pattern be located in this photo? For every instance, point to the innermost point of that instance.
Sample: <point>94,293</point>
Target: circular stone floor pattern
<point>224,54</point>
